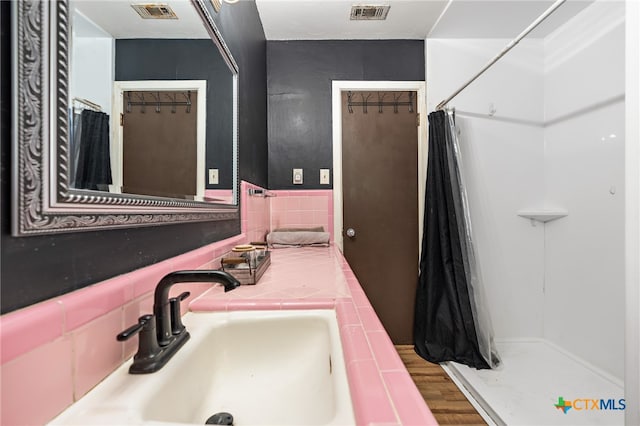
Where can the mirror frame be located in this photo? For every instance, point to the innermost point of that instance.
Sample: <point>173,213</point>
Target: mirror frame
<point>42,201</point>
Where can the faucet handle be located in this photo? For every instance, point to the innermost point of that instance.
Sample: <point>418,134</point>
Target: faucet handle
<point>148,347</point>
<point>182,296</point>
<point>176,316</point>
<point>134,329</point>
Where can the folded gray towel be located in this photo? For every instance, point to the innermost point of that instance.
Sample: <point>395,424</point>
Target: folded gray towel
<point>298,238</point>
<point>312,229</point>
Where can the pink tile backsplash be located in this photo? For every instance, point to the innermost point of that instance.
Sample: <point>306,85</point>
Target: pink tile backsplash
<point>193,259</point>
<point>89,303</point>
<point>38,385</point>
<point>292,209</point>
<point>255,215</point>
<point>95,355</point>
<point>132,312</point>
<point>145,279</point>
<point>56,351</point>
<point>27,329</point>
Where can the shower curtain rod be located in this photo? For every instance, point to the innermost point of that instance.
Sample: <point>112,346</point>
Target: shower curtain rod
<point>94,106</point>
<point>509,46</point>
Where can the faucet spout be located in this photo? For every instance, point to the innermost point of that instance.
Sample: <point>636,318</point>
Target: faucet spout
<point>161,296</point>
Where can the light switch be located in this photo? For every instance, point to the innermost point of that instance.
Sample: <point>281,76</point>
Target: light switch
<point>324,177</point>
<point>213,177</point>
<point>297,176</point>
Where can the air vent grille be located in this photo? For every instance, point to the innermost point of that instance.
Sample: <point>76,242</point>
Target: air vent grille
<point>154,11</point>
<point>369,13</point>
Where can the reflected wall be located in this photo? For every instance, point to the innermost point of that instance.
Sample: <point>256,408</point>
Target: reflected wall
<point>167,59</point>
<point>37,268</point>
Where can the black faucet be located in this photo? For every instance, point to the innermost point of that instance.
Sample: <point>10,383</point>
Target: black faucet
<point>161,302</point>
<point>162,334</point>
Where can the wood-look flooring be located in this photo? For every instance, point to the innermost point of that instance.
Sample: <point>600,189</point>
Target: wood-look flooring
<point>447,403</point>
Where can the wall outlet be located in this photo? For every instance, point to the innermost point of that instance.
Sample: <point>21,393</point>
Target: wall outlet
<point>324,177</point>
<point>213,177</point>
<point>297,176</point>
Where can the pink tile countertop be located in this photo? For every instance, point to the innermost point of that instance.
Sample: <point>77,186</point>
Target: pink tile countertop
<point>382,391</point>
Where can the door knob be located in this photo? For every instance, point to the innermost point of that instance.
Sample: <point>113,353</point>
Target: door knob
<point>351,233</point>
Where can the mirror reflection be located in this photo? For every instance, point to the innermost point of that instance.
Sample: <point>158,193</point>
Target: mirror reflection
<point>151,103</point>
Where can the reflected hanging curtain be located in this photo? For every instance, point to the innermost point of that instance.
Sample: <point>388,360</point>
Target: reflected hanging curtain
<point>93,169</point>
<point>451,320</point>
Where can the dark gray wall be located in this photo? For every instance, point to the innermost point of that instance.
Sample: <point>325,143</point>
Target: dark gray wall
<point>168,59</point>
<point>299,96</point>
<point>40,267</point>
<point>242,31</point>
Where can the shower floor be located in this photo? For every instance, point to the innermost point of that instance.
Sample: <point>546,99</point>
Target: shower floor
<point>533,375</point>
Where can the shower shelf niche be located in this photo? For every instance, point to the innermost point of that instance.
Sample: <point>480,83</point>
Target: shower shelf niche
<point>543,215</point>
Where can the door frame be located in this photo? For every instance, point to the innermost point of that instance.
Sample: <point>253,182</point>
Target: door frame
<point>199,86</point>
<point>339,86</point>
<point>632,213</point>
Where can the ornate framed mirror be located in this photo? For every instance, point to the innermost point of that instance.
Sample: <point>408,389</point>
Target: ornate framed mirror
<point>70,177</point>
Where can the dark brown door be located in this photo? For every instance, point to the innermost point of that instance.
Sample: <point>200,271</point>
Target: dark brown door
<point>380,205</point>
<point>159,144</point>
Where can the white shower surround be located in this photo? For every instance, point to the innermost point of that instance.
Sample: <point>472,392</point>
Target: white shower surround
<point>563,282</point>
<point>503,163</point>
<point>584,172</point>
<point>536,274</point>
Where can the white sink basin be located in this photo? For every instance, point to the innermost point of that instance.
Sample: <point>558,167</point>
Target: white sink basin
<point>263,367</point>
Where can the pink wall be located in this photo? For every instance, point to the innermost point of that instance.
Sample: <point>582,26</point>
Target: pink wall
<point>54,352</point>
<point>285,209</point>
<point>255,213</point>
<point>302,209</point>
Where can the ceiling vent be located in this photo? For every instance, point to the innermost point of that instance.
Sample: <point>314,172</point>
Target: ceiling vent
<point>369,13</point>
<point>155,11</point>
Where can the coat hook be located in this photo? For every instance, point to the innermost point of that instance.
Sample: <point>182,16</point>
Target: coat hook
<point>173,102</point>
<point>143,102</point>
<point>364,102</point>
<point>128,102</point>
<point>156,96</point>
<point>396,99</point>
<point>380,99</point>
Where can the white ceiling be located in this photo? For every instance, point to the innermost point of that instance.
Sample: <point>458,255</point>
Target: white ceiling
<point>410,19</point>
<point>329,19</point>
<point>120,20</point>
<point>502,19</point>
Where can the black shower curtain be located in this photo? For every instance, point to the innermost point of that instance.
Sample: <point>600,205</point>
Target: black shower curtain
<point>445,328</point>
<point>93,170</point>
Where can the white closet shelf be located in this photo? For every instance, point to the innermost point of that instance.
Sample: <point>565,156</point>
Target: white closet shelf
<point>543,215</point>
